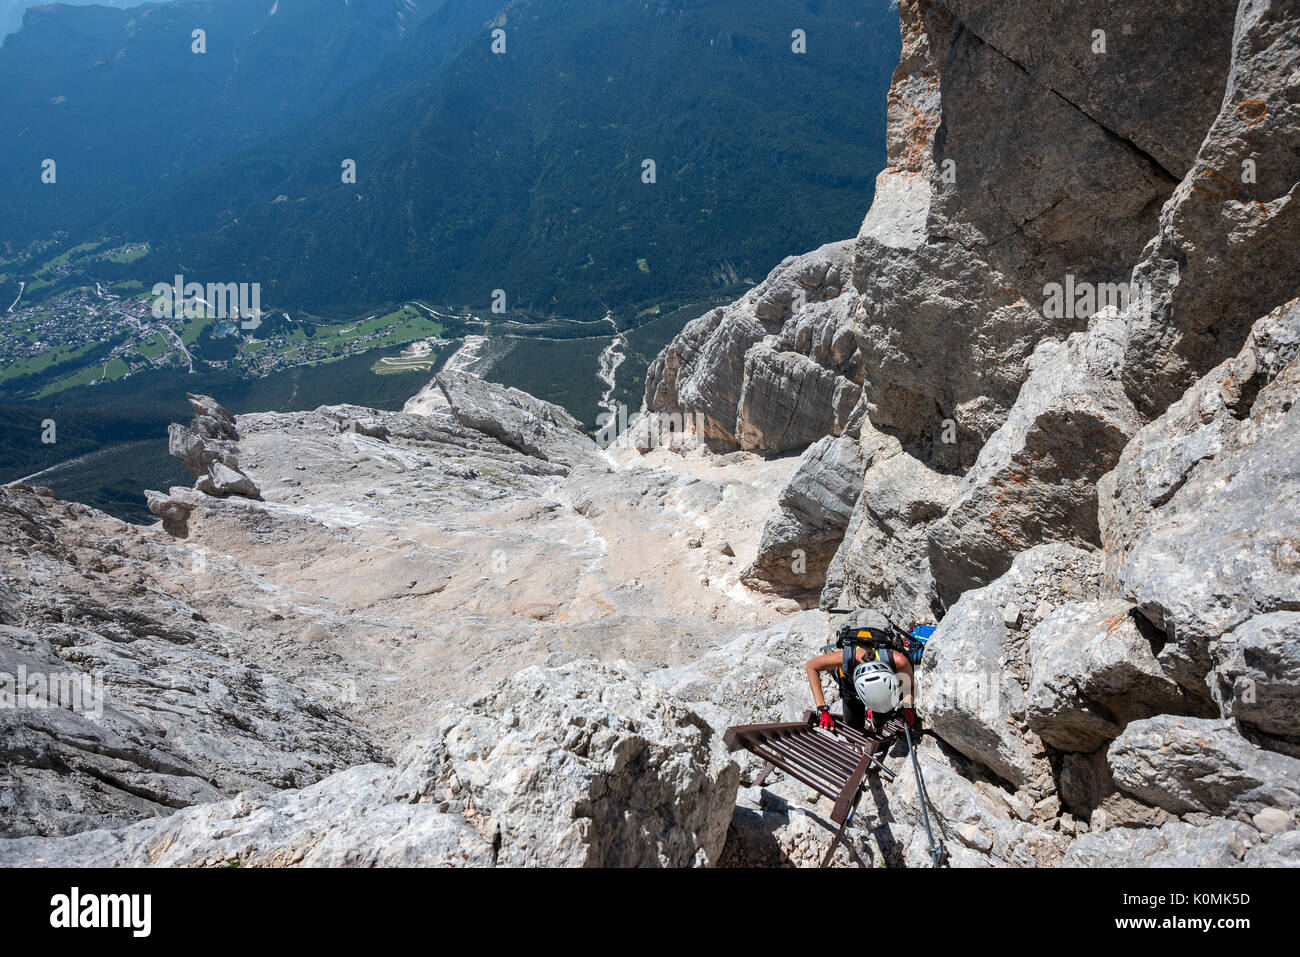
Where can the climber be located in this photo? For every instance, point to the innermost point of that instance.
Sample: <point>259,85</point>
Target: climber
<point>875,678</point>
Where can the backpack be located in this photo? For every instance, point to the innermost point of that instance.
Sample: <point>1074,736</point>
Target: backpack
<point>871,629</point>
<point>865,629</point>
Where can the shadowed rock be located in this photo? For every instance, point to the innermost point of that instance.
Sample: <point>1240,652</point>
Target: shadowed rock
<point>801,537</point>
<point>1035,480</point>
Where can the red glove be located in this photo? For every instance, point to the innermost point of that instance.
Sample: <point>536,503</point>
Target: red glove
<point>909,716</point>
<point>826,721</point>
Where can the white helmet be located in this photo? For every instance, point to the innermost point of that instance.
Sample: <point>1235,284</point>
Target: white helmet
<point>877,686</point>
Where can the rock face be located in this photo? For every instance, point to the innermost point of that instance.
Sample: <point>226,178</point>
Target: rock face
<point>1020,422</point>
<point>1035,479</point>
<point>940,305</point>
<point>973,222</point>
<point>811,366</point>
<point>1204,563</point>
<point>129,702</point>
<point>1161,457</point>
<point>1128,101</point>
<point>973,218</point>
<point>775,370</point>
<point>1092,486</point>
<point>1197,764</point>
<point>1223,253</point>
<point>952,271</point>
<point>577,766</point>
<point>884,560</point>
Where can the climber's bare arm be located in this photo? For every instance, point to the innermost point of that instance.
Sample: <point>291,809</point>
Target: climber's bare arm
<point>904,668</point>
<point>815,667</point>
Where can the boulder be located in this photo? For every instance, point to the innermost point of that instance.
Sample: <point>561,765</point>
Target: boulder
<point>1198,764</point>
<point>585,765</point>
<point>196,453</point>
<point>1095,670</point>
<point>518,420</point>
<point>222,480</point>
<point>800,538</point>
<point>173,512</point>
<point>211,420</point>
<point>1174,844</point>
<point>369,425</point>
<point>757,676</point>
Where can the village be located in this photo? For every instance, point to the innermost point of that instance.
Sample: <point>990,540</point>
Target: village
<point>89,334</point>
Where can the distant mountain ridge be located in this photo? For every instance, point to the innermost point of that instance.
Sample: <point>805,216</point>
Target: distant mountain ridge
<point>11,11</point>
<point>123,106</point>
<point>477,170</point>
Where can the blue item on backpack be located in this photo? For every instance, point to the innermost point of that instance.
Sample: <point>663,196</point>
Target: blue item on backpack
<point>914,644</point>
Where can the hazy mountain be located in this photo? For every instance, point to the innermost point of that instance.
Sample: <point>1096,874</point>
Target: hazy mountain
<point>524,171</point>
<point>11,11</point>
<point>123,105</point>
<point>477,170</point>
